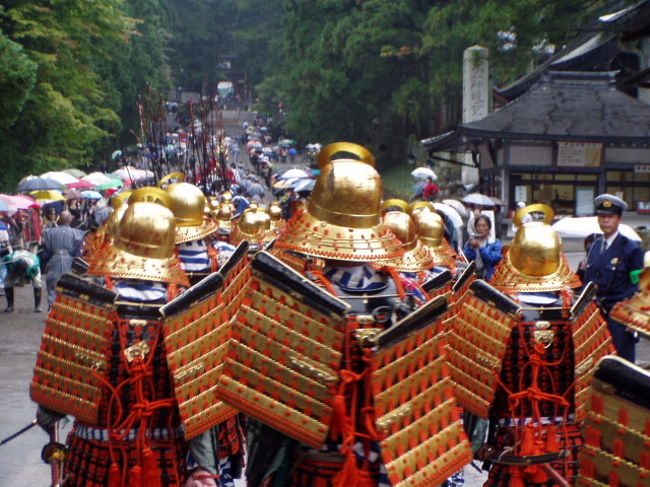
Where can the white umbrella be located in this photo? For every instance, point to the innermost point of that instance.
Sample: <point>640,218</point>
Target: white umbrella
<point>61,177</point>
<point>478,199</point>
<point>460,208</point>
<point>581,227</point>
<point>450,212</point>
<point>423,173</point>
<point>97,178</point>
<point>294,173</point>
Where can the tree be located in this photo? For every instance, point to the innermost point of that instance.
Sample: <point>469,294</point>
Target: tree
<point>63,115</point>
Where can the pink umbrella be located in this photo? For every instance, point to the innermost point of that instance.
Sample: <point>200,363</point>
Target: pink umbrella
<point>81,184</point>
<point>24,201</point>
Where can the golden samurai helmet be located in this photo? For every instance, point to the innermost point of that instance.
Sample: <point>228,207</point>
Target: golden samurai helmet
<point>430,229</point>
<point>275,212</point>
<point>250,227</point>
<point>417,257</point>
<point>342,220</point>
<point>188,205</point>
<point>143,247</point>
<point>534,261</point>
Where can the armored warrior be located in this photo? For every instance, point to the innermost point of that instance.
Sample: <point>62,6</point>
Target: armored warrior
<point>222,446</point>
<point>522,352</point>
<point>334,362</point>
<point>103,361</point>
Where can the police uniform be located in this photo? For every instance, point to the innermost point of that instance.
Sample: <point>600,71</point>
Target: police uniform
<point>609,268</point>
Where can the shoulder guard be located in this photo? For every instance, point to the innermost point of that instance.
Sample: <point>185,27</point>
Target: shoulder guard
<point>634,312</point>
<point>616,429</point>
<point>75,350</point>
<point>477,345</point>
<point>591,342</point>
<point>196,331</point>
<point>413,398</point>
<point>285,352</point>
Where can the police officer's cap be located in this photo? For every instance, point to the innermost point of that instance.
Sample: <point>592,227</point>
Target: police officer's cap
<point>608,204</point>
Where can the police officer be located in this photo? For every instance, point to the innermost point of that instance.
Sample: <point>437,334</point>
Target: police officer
<point>611,259</point>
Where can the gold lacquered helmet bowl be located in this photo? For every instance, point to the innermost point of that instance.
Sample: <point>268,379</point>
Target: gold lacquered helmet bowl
<point>342,220</point>
<point>417,257</point>
<point>188,206</point>
<point>143,247</point>
<point>534,261</point>
<point>430,229</point>
<point>249,227</point>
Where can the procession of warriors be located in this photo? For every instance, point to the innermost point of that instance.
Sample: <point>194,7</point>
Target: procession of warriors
<point>333,337</point>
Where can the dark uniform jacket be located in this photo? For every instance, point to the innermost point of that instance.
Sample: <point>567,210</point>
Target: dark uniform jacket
<point>610,270</point>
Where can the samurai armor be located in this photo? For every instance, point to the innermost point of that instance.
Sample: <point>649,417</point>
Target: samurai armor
<point>139,424</point>
<point>617,427</point>
<point>73,360</point>
<point>635,312</point>
<point>591,342</point>
<point>285,352</point>
<point>197,329</point>
<point>416,413</point>
<point>478,343</point>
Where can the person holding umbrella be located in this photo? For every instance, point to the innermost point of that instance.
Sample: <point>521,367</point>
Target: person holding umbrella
<point>610,261</point>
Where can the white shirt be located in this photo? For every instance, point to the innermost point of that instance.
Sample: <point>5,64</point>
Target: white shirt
<point>608,241</point>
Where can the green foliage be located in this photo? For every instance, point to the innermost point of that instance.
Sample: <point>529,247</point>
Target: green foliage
<point>64,113</point>
<point>17,77</point>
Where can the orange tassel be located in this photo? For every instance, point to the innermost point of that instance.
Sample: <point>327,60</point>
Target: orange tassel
<point>535,474</point>
<point>552,442</point>
<point>614,479</point>
<point>516,478</point>
<point>339,424</point>
<point>114,476</point>
<point>349,474</point>
<point>135,476</point>
<point>645,460</point>
<point>528,442</point>
<point>152,474</point>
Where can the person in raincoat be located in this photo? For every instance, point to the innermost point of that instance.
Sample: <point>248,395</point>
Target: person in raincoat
<point>61,244</point>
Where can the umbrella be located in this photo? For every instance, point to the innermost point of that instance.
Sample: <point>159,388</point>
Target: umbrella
<point>4,206</point>
<point>497,201</point>
<point>81,184</point>
<point>304,185</point>
<point>460,208</point>
<point>77,173</point>
<point>286,143</point>
<point>17,202</point>
<point>91,195</point>
<point>423,173</point>
<point>129,172</point>
<point>50,195</point>
<point>581,227</point>
<point>72,194</point>
<point>450,212</point>
<point>116,154</point>
<point>478,199</point>
<point>284,183</point>
<point>294,173</point>
<point>37,184</point>
<point>110,184</point>
<point>97,178</point>
<point>60,176</point>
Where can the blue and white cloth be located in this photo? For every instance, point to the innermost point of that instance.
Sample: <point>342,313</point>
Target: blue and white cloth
<point>140,291</point>
<point>363,277</point>
<point>194,256</point>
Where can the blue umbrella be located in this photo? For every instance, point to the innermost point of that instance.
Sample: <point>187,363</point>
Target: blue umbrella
<point>4,206</point>
<point>39,184</point>
<point>91,195</point>
<point>305,185</point>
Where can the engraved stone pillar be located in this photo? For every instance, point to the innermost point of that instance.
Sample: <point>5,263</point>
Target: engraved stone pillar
<point>476,96</point>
